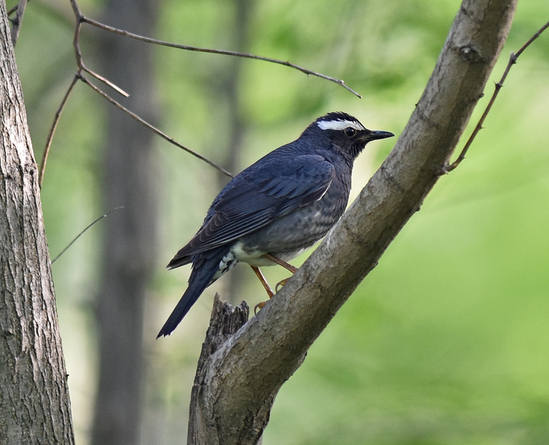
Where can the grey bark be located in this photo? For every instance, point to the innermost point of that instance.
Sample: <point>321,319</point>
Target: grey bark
<point>224,322</point>
<point>34,398</point>
<point>130,236</point>
<point>240,379</point>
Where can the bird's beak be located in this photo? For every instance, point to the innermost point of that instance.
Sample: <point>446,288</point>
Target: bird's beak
<point>377,134</point>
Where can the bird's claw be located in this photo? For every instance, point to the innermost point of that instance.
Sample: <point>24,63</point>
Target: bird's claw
<point>281,283</point>
<point>259,306</point>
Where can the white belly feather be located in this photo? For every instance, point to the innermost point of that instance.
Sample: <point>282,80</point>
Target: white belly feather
<point>255,257</point>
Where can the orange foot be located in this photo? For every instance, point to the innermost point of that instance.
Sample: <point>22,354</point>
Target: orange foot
<point>259,306</point>
<point>281,283</point>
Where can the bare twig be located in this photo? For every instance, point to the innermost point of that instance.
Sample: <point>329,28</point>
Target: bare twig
<point>12,9</point>
<point>52,130</point>
<point>76,38</point>
<point>152,127</point>
<point>132,35</point>
<point>512,60</point>
<point>81,18</point>
<point>17,20</point>
<point>78,52</point>
<point>78,76</point>
<point>105,81</point>
<point>89,226</point>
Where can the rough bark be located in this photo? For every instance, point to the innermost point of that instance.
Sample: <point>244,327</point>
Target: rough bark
<point>34,399</point>
<point>242,377</point>
<point>130,234</point>
<point>224,322</point>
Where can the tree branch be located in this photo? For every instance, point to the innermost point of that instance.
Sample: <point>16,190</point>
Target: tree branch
<point>224,322</point>
<point>244,375</point>
<point>53,127</point>
<point>81,67</point>
<point>152,127</point>
<point>224,52</point>
<point>17,20</point>
<point>84,230</point>
<point>497,87</point>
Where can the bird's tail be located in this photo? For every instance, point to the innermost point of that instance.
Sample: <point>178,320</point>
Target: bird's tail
<point>207,267</point>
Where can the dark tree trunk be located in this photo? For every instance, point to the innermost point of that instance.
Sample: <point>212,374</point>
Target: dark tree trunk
<point>230,93</point>
<point>34,399</point>
<point>130,238</point>
<point>231,86</point>
<point>237,384</point>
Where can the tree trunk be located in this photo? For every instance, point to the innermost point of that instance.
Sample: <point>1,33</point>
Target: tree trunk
<point>130,236</point>
<point>238,382</point>
<point>224,322</point>
<point>34,398</point>
<point>230,93</point>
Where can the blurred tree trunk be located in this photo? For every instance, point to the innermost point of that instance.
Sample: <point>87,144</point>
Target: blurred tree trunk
<point>34,399</point>
<point>239,375</point>
<point>130,238</point>
<point>230,93</point>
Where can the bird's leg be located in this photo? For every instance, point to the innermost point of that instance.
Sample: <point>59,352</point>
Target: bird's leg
<point>285,265</point>
<point>261,278</point>
<point>266,286</point>
<point>282,263</point>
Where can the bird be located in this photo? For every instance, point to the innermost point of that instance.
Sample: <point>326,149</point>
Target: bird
<point>275,208</point>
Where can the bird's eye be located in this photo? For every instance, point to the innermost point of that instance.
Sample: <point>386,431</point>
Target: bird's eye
<point>350,131</point>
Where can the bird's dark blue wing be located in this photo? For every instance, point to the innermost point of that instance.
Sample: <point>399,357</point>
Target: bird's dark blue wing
<point>257,196</point>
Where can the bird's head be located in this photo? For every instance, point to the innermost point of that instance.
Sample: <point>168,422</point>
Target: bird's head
<point>345,133</point>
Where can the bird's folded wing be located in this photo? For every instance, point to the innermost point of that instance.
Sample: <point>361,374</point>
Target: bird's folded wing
<point>258,196</point>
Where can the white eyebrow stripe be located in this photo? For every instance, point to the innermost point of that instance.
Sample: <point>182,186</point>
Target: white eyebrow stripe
<point>339,125</point>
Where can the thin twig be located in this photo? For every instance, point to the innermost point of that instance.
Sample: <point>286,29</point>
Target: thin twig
<point>151,127</point>
<point>512,60</point>
<point>132,35</point>
<point>78,52</point>
<point>13,9</point>
<point>52,130</point>
<point>80,18</point>
<point>89,226</point>
<point>105,81</point>
<point>17,20</point>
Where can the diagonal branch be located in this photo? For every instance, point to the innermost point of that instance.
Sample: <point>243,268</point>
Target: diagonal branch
<point>81,67</point>
<point>243,376</point>
<point>53,127</point>
<point>105,81</point>
<point>16,21</point>
<point>12,9</point>
<point>132,35</point>
<point>79,76</point>
<point>84,230</point>
<point>152,127</point>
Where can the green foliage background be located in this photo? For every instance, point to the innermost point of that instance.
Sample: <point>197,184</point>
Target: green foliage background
<point>446,341</point>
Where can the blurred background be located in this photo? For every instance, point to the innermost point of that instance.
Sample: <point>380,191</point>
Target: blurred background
<point>445,342</point>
